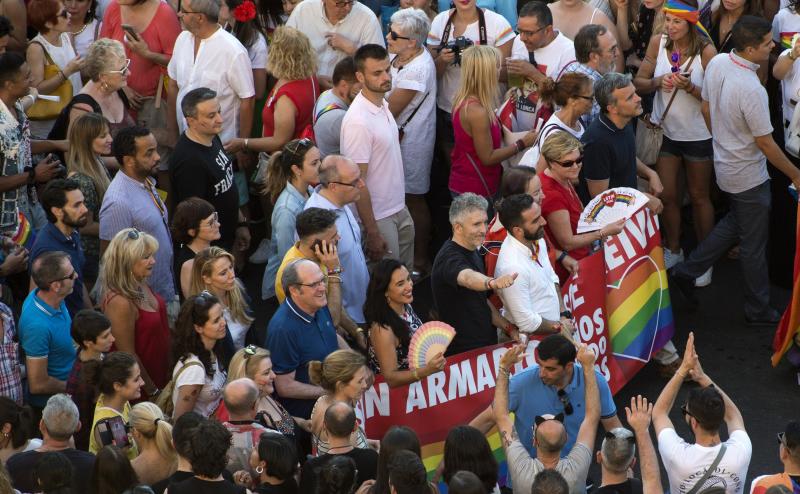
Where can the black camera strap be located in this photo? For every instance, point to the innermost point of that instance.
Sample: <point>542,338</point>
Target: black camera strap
<point>483,40</point>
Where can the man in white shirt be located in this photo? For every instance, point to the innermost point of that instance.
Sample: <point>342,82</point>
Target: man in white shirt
<point>706,408</point>
<point>336,29</point>
<point>205,55</point>
<point>533,302</point>
<point>370,138</point>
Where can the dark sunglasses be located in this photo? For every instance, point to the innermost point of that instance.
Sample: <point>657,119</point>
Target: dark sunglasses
<point>72,276</point>
<point>564,399</point>
<point>685,411</point>
<point>133,234</point>
<point>249,351</point>
<point>396,36</point>
<point>570,163</point>
<point>294,146</point>
<point>611,435</point>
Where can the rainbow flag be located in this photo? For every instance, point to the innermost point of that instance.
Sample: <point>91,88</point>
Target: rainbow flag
<point>786,39</point>
<point>790,322</point>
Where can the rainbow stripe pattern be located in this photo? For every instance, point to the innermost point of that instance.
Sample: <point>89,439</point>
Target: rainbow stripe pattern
<point>431,338</point>
<point>433,453</point>
<point>627,199</point>
<point>639,308</point>
<point>686,12</point>
<point>786,39</point>
<point>24,234</point>
<point>790,322</point>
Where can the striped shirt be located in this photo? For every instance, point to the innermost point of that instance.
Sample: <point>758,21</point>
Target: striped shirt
<point>132,204</point>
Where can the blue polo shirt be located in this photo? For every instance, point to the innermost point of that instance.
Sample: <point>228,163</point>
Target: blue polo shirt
<point>294,339</point>
<point>44,332</point>
<point>49,239</point>
<point>528,397</point>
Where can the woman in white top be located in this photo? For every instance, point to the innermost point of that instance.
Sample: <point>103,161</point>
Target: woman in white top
<point>197,346</point>
<point>51,46</point>
<point>569,16</point>
<point>412,101</point>
<point>84,26</point>
<point>574,94</point>
<point>240,19</point>
<point>674,68</point>
<point>213,270</point>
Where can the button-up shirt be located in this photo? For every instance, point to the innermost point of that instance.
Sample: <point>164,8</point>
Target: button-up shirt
<point>533,296</point>
<point>132,204</point>
<point>49,239</point>
<point>355,276</point>
<point>594,76</point>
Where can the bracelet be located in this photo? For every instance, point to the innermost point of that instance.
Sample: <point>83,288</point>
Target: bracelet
<point>415,374</point>
<point>520,145</point>
<point>562,256</point>
<point>489,283</point>
<point>246,140</point>
<point>334,277</point>
<point>62,74</point>
<point>503,371</point>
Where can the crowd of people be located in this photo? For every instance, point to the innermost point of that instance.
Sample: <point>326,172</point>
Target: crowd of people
<point>154,149</point>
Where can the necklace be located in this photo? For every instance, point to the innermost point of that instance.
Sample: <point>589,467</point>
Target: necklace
<point>740,64</point>
<point>402,63</point>
<point>81,30</point>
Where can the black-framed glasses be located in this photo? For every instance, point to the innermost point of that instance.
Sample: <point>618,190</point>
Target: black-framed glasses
<point>316,284</point>
<point>587,98</point>
<point>72,276</point>
<point>124,69</point>
<point>685,411</point>
<point>564,399</point>
<point>354,183</point>
<point>530,33</point>
<point>569,163</point>
<point>396,36</point>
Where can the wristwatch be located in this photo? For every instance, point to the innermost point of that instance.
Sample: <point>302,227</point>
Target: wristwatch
<point>566,314</point>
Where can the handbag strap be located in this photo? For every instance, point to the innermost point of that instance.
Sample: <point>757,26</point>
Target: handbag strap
<point>415,111</point>
<point>710,470</point>
<point>675,93</point>
<point>480,176</point>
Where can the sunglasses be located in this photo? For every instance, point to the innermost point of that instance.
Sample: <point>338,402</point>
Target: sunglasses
<point>570,163</point>
<point>294,146</point>
<point>133,234</point>
<point>249,351</point>
<point>611,435</point>
<point>123,70</point>
<point>72,276</point>
<point>685,411</point>
<point>396,36</point>
<point>564,399</point>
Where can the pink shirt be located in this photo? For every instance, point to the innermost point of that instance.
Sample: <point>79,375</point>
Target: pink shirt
<point>369,135</point>
<point>160,37</point>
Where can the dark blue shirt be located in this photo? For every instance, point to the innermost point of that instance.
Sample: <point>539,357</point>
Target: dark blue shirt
<point>294,339</point>
<point>49,239</point>
<point>609,153</point>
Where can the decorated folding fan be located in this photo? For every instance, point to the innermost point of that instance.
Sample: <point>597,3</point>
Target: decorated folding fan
<point>430,339</point>
<point>609,207</point>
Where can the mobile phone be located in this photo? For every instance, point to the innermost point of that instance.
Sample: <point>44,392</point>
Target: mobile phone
<point>113,430</point>
<point>317,243</point>
<point>131,32</point>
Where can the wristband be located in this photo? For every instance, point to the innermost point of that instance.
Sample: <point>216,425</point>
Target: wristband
<point>334,277</point>
<point>336,270</point>
<point>520,145</point>
<point>562,256</point>
<point>415,373</point>
<point>246,140</point>
<point>489,283</point>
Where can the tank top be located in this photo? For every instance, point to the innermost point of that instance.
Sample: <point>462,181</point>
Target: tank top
<point>62,56</point>
<point>303,93</point>
<point>463,175</point>
<point>684,121</point>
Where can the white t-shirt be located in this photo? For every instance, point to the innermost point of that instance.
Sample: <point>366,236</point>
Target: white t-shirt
<point>211,393</point>
<point>498,33</point>
<point>417,146</point>
<point>785,25</point>
<point>553,124</point>
<point>258,52</point>
<point>221,64</point>
<point>685,463</point>
<point>790,88</point>
<point>551,60</point>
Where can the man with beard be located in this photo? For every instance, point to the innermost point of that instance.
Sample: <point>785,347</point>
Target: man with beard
<point>132,201</point>
<point>533,303</point>
<point>66,212</point>
<point>370,138</point>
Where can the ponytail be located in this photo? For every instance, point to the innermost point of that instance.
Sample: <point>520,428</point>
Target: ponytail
<point>150,422</point>
<point>103,374</point>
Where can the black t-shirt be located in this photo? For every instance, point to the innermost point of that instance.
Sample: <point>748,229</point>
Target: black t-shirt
<point>466,310</point>
<point>180,476</point>
<point>194,485</point>
<point>609,153</point>
<point>289,486</point>
<point>22,469</point>
<point>206,172</point>
<point>366,464</point>
<point>630,486</point>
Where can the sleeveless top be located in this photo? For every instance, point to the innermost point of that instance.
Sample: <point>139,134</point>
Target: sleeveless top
<point>151,339</point>
<point>193,485</point>
<point>358,439</point>
<point>684,121</point>
<point>413,323</point>
<point>59,130</point>
<point>303,94</point>
<point>463,177</point>
<point>61,56</point>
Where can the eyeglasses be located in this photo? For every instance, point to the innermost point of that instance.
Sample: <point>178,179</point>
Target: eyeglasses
<point>354,183</point>
<point>396,36</point>
<point>685,411</point>
<point>588,98</point>
<point>570,163</point>
<point>214,219</point>
<point>344,3</point>
<point>72,276</point>
<point>123,70</point>
<point>530,33</point>
<point>564,399</point>
<point>184,11</point>
<point>321,282</point>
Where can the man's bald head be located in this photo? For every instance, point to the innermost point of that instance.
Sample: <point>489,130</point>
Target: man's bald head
<point>240,396</point>
<point>333,167</point>
<point>340,420</point>
<point>551,436</point>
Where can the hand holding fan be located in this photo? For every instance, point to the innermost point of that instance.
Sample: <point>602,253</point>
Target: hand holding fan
<point>430,339</point>
<point>609,207</point>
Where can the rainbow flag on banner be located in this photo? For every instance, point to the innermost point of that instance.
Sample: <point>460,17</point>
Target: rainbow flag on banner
<point>790,322</point>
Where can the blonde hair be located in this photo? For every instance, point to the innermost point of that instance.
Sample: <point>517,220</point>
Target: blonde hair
<point>558,144</point>
<point>116,269</point>
<point>99,57</point>
<point>151,423</point>
<point>81,158</point>
<point>244,364</point>
<point>338,367</point>
<point>291,56</point>
<point>202,266</point>
<point>479,76</point>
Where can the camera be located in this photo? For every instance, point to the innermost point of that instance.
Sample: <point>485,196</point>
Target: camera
<point>457,45</point>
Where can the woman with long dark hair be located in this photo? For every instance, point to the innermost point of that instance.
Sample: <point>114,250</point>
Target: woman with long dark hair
<point>723,19</point>
<point>112,473</point>
<point>392,321</point>
<point>195,224</point>
<point>466,448</point>
<point>240,18</point>
<point>17,424</point>
<point>84,25</point>
<point>397,438</point>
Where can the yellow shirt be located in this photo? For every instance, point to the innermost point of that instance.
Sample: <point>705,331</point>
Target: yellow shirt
<point>103,412</point>
<point>291,255</point>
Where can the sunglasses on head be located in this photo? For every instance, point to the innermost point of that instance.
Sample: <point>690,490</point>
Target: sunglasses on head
<point>249,351</point>
<point>564,399</point>
<point>685,410</point>
<point>570,163</point>
<point>133,234</point>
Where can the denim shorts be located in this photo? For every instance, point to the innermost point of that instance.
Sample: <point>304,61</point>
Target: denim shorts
<point>688,150</point>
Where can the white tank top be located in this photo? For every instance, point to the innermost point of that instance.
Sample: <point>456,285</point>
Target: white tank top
<point>61,56</point>
<point>684,121</point>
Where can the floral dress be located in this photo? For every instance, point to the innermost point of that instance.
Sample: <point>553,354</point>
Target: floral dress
<point>413,323</point>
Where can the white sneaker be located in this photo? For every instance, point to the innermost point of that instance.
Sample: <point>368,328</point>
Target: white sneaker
<point>261,255</point>
<point>704,279</point>
<point>671,258</point>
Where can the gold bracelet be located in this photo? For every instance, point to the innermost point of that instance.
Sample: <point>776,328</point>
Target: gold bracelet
<point>415,374</point>
<point>791,56</point>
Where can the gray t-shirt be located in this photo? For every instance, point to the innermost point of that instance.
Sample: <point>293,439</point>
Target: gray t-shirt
<point>739,113</point>
<point>524,469</point>
<point>328,114</point>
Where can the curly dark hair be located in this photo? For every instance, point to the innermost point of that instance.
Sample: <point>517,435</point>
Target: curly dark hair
<point>185,339</point>
<point>338,476</point>
<point>467,449</point>
<point>54,472</point>
<point>112,472</point>
<point>209,453</point>
<point>376,308</point>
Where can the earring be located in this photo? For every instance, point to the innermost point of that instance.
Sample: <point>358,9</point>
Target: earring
<point>5,434</point>
<point>259,469</point>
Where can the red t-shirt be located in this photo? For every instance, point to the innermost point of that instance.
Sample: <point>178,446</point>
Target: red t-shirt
<point>558,198</point>
<point>160,37</point>
<point>303,93</point>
